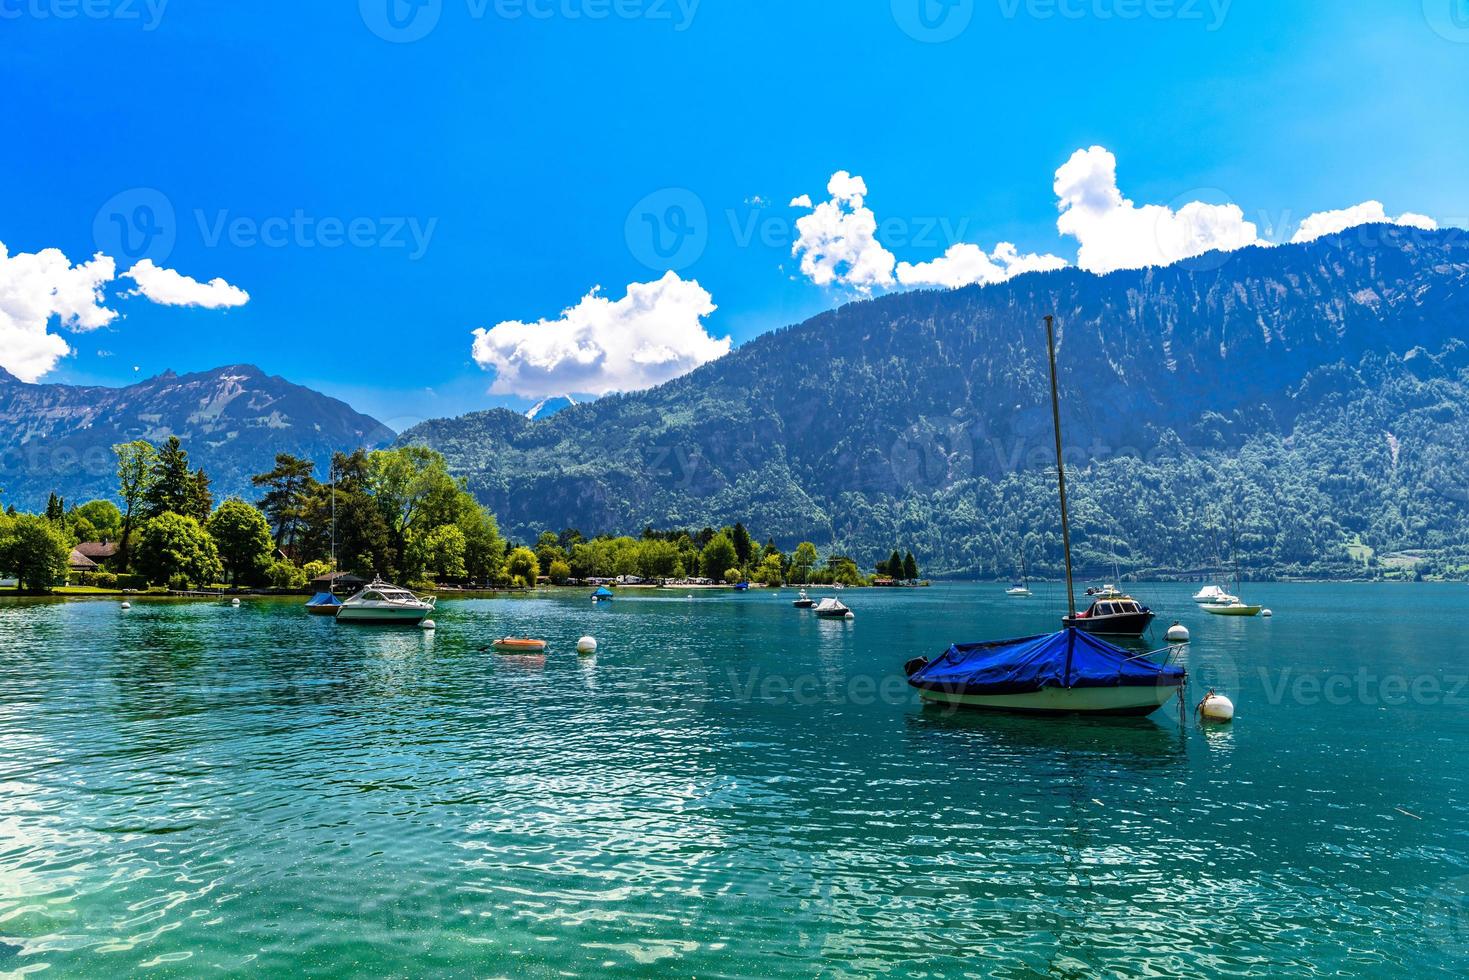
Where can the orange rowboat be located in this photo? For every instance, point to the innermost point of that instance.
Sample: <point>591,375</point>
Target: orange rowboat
<point>519,644</point>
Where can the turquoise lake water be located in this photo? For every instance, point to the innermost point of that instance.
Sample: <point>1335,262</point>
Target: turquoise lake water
<point>729,788</point>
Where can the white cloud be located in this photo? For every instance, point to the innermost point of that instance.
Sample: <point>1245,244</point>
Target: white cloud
<point>837,241</point>
<point>653,334</point>
<point>170,288</point>
<point>34,287</point>
<point>965,264</point>
<point>802,201</point>
<point>1113,233</point>
<point>1368,212</point>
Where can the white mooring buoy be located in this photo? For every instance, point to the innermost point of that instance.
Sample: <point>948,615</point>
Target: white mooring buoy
<point>234,602</point>
<point>127,605</point>
<point>1266,613</point>
<point>1216,707</point>
<point>428,624</point>
<point>586,646</point>
<point>1177,633</point>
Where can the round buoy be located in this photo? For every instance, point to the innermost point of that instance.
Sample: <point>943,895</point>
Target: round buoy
<point>850,615</point>
<point>428,624</point>
<point>1216,707</point>
<point>689,596</point>
<point>127,605</point>
<point>1177,633</point>
<point>234,602</point>
<point>586,646</point>
<point>1266,613</point>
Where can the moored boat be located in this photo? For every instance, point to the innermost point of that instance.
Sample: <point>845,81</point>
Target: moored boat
<point>323,604</point>
<point>383,602</point>
<point>803,601</point>
<point>519,644</point>
<point>830,608</point>
<point>1069,672</point>
<point>1231,607</point>
<point>603,594</point>
<point>1118,615</point>
<point>1211,593</point>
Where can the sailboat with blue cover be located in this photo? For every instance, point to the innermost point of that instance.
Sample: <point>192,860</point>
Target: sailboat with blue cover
<point>1068,672</point>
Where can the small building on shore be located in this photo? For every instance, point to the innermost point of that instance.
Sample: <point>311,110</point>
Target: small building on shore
<point>337,582</point>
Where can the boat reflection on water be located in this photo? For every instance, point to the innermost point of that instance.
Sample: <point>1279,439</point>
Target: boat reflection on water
<point>1142,742</point>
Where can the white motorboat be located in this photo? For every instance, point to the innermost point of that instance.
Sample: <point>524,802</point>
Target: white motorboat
<point>1211,593</point>
<point>382,602</point>
<point>1018,592</point>
<point>830,608</point>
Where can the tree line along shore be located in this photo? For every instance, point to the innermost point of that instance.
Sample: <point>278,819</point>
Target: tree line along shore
<point>394,513</point>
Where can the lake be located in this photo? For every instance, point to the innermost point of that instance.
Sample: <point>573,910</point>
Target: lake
<point>729,788</point>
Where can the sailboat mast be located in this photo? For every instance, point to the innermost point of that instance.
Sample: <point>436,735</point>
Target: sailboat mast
<point>332,473</point>
<point>1060,464</point>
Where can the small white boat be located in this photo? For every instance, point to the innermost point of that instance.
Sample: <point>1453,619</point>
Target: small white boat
<point>1211,593</point>
<point>382,602</point>
<point>803,601</point>
<point>1231,606</point>
<point>830,608</point>
<point>1018,591</point>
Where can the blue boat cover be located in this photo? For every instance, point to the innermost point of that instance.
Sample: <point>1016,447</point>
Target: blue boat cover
<point>1066,659</point>
<point>603,593</point>
<point>324,599</point>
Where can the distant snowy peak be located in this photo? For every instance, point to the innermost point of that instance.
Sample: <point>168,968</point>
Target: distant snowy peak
<point>547,407</point>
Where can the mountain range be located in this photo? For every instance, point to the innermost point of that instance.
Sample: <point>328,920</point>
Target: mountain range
<point>1303,409</point>
<point>1300,406</point>
<point>232,420</point>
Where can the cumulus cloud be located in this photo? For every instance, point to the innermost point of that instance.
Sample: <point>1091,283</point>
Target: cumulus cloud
<point>1368,212</point>
<point>1114,233</point>
<point>170,288</point>
<point>37,287</point>
<point>965,264</point>
<point>34,287</point>
<point>651,335</point>
<point>837,241</point>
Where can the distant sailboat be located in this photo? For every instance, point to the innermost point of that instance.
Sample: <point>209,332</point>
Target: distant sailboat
<point>1022,589</point>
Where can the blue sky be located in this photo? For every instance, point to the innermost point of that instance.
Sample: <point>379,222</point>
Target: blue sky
<point>493,169</point>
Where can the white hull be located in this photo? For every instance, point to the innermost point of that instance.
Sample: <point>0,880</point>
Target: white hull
<point>1053,700</point>
<point>1018,593</point>
<point>383,614</point>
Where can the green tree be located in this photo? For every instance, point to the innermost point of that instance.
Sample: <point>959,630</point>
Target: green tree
<point>35,550</point>
<point>521,567</point>
<point>802,562</point>
<point>284,574</point>
<point>174,546</point>
<point>484,549</point>
<point>172,490</point>
<point>55,509</point>
<point>135,461</point>
<point>287,487</point>
<point>441,551</point>
<point>718,557</point>
<point>910,567</point>
<point>201,499</point>
<point>559,572</point>
<point>893,567</point>
<point>770,572</point>
<point>102,519</point>
<point>548,549</point>
<point>242,535</point>
<point>743,546</point>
